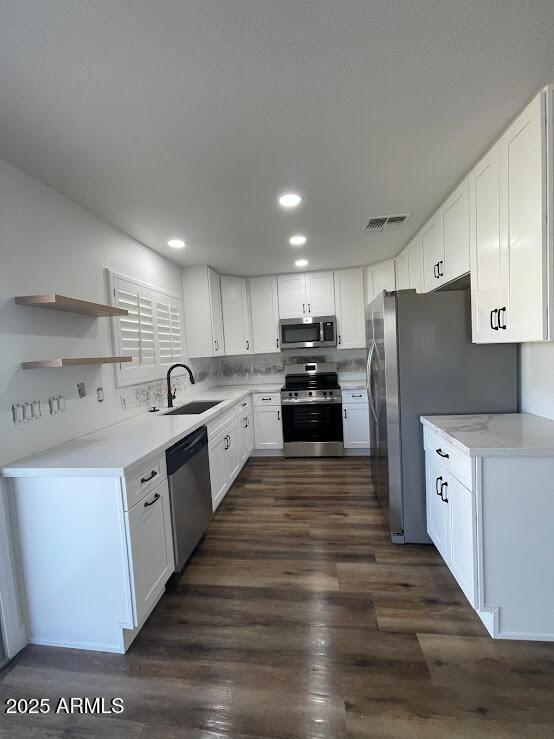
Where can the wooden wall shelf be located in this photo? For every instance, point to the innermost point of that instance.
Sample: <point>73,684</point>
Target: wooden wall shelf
<point>52,301</point>
<point>71,361</point>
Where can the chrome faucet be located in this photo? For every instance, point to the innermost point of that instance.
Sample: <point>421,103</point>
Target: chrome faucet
<point>170,394</point>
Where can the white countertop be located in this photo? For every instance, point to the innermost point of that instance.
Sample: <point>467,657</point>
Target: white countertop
<point>352,385</point>
<point>498,435</point>
<point>111,451</point>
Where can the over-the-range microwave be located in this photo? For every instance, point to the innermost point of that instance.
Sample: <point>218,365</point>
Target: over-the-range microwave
<point>308,331</point>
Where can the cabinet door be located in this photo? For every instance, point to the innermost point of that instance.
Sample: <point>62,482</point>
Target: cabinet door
<point>265,314</point>
<point>384,277</point>
<point>355,424</point>
<point>219,473</point>
<point>236,315</point>
<point>437,509</point>
<point>403,272</point>
<point>484,241</point>
<point>349,299</point>
<point>320,294</point>
<point>198,311</point>
<point>523,254</point>
<point>414,262</point>
<point>246,430</point>
<point>455,224</point>
<point>217,313</point>
<point>432,253</point>
<point>150,541</point>
<point>234,451</point>
<point>268,429</point>
<point>292,296</point>
<point>463,544</point>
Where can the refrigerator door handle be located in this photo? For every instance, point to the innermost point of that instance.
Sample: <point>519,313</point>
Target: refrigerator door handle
<point>369,394</point>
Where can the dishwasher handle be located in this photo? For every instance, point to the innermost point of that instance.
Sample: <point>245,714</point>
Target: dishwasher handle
<point>180,453</point>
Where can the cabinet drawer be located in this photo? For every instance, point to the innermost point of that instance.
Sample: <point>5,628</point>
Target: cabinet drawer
<point>143,478</point>
<point>220,423</point>
<point>267,399</point>
<point>459,465</point>
<point>354,396</point>
<point>244,407</point>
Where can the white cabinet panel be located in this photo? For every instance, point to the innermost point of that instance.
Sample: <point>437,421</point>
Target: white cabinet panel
<point>432,252</point>
<point>455,222</point>
<point>246,434</point>
<point>462,531</point>
<point>484,209</point>
<point>349,299</point>
<point>437,509</point>
<point>216,313</point>
<point>292,295</point>
<point>403,271</point>
<point>268,429</point>
<point>414,263</point>
<point>203,312</point>
<point>320,294</point>
<point>236,315</point>
<point>265,314</point>
<point>150,548</point>
<point>355,425</point>
<point>219,475</point>
<point>379,277</point>
<point>523,263</point>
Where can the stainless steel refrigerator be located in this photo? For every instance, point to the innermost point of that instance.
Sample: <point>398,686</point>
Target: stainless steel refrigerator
<point>421,362</point>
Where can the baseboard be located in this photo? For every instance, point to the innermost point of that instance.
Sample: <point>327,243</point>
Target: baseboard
<point>267,453</point>
<point>357,452</point>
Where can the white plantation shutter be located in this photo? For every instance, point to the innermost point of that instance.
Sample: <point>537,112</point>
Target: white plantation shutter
<point>168,324</point>
<point>151,334</point>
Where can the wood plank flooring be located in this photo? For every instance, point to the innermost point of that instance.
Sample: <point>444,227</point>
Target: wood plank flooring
<point>297,617</point>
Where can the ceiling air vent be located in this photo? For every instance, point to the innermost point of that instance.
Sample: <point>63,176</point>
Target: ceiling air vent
<point>386,223</point>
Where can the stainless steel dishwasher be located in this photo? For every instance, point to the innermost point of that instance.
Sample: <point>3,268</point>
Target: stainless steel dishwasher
<point>188,470</point>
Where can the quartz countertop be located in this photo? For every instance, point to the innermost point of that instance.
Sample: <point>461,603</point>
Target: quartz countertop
<point>497,435</point>
<point>352,384</point>
<point>112,451</point>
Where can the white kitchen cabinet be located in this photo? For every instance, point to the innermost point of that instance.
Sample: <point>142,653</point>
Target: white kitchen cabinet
<point>403,271</point>
<point>349,300</point>
<point>432,252</point>
<point>265,314</point>
<point>414,263</point>
<point>245,432</point>
<point>320,294</point>
<point>236,315</point>
<point>510,231</point>
<point>436,507</point>
<point>355,425</point>
<point>150,544</point>
<point>268,428</point>
<point>455,230</point>
<point>311,293</point>
<point>462,533</point>
<point>379,277</point>
<point>203,312</point>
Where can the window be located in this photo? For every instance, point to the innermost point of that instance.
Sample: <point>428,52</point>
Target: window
<point>152,332</point>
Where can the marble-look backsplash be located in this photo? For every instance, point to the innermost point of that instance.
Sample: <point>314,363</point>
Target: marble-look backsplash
<point>270,368</point>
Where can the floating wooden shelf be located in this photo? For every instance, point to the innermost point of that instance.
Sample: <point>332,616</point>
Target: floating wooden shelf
<point>52,301</point>
<point>70,361</point>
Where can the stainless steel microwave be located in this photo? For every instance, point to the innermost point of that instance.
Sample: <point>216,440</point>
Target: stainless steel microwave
<point>309,331</point>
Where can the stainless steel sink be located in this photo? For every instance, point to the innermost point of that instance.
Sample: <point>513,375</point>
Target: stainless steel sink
<point>193,408</point>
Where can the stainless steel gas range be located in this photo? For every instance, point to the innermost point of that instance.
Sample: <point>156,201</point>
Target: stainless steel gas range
<point>312,411</point>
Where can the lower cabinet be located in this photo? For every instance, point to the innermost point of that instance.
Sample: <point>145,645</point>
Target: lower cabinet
<point>355,426</point>
<point>268,427</point>
<point>150,541</point>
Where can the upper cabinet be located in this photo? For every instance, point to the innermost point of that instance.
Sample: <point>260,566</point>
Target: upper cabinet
<point>379,277</point>
<point>265,314</point>
<point>403,271</point>
<point>408,267</point>
<point>445,241</point>
<point>236,315</point>
<point>203,312</point>
<point>511,247</point>
<point>309,294</point>
<point>349,300</point>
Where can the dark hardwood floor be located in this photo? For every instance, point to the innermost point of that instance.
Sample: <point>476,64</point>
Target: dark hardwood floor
<point>297,617</point>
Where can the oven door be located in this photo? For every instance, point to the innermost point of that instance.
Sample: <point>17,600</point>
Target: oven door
<point>312,430</point>
<point>298,333</point>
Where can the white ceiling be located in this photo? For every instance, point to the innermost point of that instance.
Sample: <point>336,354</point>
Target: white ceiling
<point>173,118</point>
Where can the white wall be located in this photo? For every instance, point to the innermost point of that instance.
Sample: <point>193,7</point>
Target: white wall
<point>537,378</point>
<point>49,244</point>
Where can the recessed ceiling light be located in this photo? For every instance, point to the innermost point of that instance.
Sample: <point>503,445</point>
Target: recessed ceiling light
<point>289,200</point>
<point>301,263</point>
<point>176,243</point>
<point>297,240</point>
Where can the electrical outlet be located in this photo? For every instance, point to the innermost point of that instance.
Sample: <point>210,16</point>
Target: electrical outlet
<point>27,411</point>
<point>36,409</point>
<point>53,404</point>
<point>17,413</point>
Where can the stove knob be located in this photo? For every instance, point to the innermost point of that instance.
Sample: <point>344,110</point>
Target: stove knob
<point>290,395</point>
<point>310,393</point>
<point>324,393</point>
<point>295,395</point>
<point>330,392</point>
